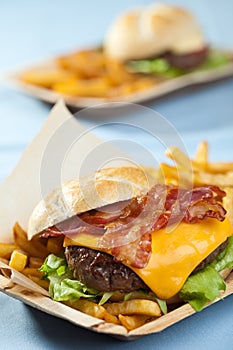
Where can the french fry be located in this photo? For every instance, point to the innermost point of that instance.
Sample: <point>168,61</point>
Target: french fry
<point>221,180</point>
<point>202,154</point>
<point>111,318</point>
<point>134,306</point>
<point>182,161</point>
<point>97,87</point>
<point>88,307</point>
<point>46,77</point>
<point>32,248</point>
<point>167,171</point>
<point>134,321</point>
<point>183,166</point>
<point>18,260</point>
<point>35,262</point>
<point>216,167</point>
<point>79,63</point>
<point>201,161</point>
<point>6,250</point>
<point>31,271</point>
<point>228,203</point>
<point>5,261</point>
<point>54,244</point>
<point>93,309</point>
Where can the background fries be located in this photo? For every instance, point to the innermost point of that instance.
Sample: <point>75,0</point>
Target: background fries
<point>88,73</point>
<point>27,256</point>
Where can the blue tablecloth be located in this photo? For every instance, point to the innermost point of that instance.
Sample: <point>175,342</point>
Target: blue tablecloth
<point>33,30</point>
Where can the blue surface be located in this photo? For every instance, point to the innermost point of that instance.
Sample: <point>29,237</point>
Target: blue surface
<point>33,30</point>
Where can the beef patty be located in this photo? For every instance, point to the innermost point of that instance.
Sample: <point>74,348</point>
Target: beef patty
<point>100,271</point>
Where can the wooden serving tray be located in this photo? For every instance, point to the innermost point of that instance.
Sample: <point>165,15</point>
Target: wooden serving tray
<point>34,298</point>
<point>158,90</point>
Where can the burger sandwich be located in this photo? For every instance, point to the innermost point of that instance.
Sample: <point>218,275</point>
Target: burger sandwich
<point>160,39</point>
<point>127,237</point>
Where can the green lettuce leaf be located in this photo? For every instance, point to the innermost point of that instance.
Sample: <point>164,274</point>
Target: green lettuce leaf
<point>214,60</point>
<point>162,305</point>
<point>161,66</point>
<point>202,287</point>
<point>62,287</point>
<point>225,258</point>
<point>205,285</point>
<point>158,66</point>
<point>105,297</point>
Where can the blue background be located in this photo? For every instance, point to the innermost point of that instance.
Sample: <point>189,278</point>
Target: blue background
<point>34,30</point>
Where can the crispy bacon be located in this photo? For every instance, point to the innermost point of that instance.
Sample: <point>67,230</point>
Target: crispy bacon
<point>125,228</point>
<point>87,222</point>
<point>135,254</point>
<point>161,207</point>
<point>73,226</point>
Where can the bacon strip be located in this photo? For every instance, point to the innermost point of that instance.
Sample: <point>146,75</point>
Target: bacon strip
<point>87,222</point>
<point>161,207</point>
<point>125,228</point>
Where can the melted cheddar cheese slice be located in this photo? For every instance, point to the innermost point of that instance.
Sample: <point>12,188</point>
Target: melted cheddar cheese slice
<point>175,253</point>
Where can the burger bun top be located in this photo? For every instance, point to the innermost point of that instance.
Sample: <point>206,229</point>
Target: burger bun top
<point>105,186</point>
<point>152,30</point>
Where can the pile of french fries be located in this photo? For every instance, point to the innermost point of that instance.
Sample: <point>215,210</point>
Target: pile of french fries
<point>87,73</point>
<point>199,171</point>
<point>27,256</point>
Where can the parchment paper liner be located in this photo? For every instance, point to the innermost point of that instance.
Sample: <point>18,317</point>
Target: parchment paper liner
<point>158,90</point>
<point>32,296</point>
<point>16,187</point>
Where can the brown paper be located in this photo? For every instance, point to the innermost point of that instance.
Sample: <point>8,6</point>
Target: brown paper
<point>35,174</point>
<point>158,90</point>
<point>18,278</point>
<point>20,192</point>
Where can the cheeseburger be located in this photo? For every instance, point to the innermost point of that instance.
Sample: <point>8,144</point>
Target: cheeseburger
<point>159,38</point>
<point>126,236</point>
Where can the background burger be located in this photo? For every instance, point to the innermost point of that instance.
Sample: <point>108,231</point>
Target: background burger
<point>160,39</point>
<point>125,236</point>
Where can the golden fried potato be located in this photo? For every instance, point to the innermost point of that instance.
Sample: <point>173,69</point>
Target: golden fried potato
<point>83,88</point>
<point>6,250</point>
<point>88,307</point>
<point>54,244</point>
<point>46,77</point>
<point>32,248</point>
<point>134,306</point>
<point>18,260</point>
<point>134,321</point>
